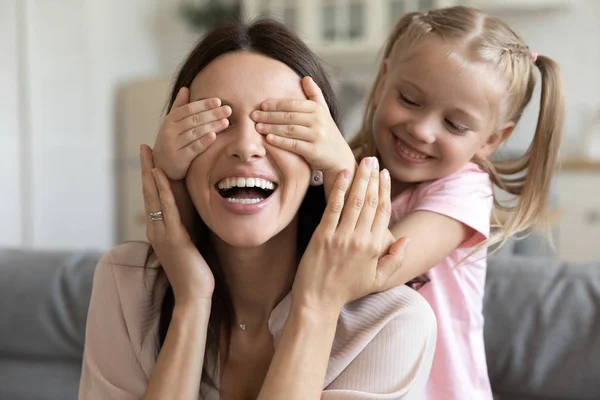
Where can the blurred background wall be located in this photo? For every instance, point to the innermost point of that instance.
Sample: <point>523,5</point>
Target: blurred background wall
<point>65,63</point>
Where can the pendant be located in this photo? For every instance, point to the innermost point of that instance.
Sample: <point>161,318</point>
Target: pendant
<point>243,327</point>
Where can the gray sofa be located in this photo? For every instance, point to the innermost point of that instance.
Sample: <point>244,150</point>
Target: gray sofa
<point>542,324</point>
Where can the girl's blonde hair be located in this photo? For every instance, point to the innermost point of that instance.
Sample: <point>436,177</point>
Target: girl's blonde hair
<point>492,41</point>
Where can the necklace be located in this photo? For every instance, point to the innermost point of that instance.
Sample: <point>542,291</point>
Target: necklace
<point>243,327</point>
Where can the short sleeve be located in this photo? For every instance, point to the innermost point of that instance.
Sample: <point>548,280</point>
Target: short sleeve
<point>110,369</point>
<point>465,196</point>
<point>396,363</point>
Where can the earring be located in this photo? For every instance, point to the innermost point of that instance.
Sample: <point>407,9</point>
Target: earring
<point>316,179</point>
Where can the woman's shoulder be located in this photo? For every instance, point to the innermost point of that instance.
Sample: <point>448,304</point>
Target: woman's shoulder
<point>400,304</point>
<point>377,329</point>
<point>134,255</point>
<point>132,271</point>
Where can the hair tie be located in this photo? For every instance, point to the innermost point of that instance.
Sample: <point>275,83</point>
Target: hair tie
<point>534,56</point>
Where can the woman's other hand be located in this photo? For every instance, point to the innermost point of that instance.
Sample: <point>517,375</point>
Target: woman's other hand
<point>188,273</point>
<point>188,130</point>
<point>344,261</point>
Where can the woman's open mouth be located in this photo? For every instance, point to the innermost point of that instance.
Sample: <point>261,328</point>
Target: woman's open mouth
<point>242,190</point>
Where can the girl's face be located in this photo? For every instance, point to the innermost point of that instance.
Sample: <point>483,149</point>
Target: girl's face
<point>245,190</point>
<point>435,111</point>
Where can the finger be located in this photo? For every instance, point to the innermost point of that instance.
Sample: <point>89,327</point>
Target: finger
<point>195,107</point>
<point>283,118</point>
<point>214,118</point>
<point>384,209</point>
<point>365,219</point>
<point>300,147</point>
<point>292,131</point>
<point>172,220</point>
<point>199,132</point>
<point>182,98</point>
<point>335,204</point>
<point>356,197</point>
<point>149,188</point>
<point>297,105</point>
<point>391,262</point>
<point>198,147</point>
<point>314,92</point>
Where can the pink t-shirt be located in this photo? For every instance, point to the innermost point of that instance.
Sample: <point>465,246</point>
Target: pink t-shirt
<point>456,292</point>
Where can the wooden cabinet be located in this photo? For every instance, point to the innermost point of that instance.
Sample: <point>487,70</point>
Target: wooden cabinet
<point>141,109</point>
<point>578,187</point>
<point>341,28</point>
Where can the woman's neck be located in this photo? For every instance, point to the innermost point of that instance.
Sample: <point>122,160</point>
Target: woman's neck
<point>259,278</point>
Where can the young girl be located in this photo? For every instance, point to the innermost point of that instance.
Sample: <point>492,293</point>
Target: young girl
<point>452,86</point>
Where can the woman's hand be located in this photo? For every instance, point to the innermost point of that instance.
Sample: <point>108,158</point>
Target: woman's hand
<point>189,275</point>
<point>305,127</point>
<point>186,131</point>
<point>343,260</point>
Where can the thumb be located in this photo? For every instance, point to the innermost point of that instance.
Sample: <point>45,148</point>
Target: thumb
<point>393,261</point>
<point>313,92</point>
<point>182,98</point>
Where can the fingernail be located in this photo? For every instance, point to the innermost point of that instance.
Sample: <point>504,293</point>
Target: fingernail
<point>368,162</point>
<point>375,163</point>
<point>346,174</point>
<point>260,127</point>
<point>386,174</point>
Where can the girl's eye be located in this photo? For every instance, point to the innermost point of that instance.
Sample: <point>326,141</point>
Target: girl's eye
<point>460,129</point>
<point>407,101</point>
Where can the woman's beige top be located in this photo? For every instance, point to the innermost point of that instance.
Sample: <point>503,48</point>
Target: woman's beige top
<point>383,345</point>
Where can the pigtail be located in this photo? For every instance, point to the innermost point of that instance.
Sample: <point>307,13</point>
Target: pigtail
<point>530,176</point>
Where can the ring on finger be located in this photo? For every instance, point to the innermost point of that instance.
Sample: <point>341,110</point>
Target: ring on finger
<point>156,216</point>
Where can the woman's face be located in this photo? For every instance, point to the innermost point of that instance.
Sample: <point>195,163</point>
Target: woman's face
<point>245,190</point>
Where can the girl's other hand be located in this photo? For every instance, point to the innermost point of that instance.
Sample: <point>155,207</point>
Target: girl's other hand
<point>187,130</point>
<point>305,127</point>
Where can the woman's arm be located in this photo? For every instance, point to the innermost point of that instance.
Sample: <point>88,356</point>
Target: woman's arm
<point>341,263</point>
<point>298,368</point>
<point>178,369</point>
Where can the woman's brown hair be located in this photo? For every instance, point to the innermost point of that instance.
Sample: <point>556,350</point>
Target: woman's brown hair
<point>490,40</point>
<point>274,40</point>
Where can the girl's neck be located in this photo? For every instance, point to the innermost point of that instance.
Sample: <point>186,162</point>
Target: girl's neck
<point>399,187</point>
<point>259,278</point>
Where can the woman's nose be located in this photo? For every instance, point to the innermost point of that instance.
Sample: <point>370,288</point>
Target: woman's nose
<point>423,129</point>
<point>246,144</point>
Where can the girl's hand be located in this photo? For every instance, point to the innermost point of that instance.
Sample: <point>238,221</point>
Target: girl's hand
<point>189,275</point>
<point>186,131</point>
<point>305,127</point>
<point>343,260</point>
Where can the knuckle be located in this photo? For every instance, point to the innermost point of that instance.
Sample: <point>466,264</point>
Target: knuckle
<point>290,129</point>
<point>337,206</point>
<point>385,208</point>
<point>196,147</point>
<point>357,202</point>
<point>372,201</point>
<point>288,117</point>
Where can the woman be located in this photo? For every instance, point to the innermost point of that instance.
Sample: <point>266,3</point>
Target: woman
<point>259,301</point>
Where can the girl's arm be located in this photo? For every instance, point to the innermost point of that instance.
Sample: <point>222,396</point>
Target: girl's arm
<point>432,238</point>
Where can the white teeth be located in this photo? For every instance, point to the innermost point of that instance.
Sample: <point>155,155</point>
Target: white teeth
<point>229,183</point>
<point>410,152</point>
<point>243,201</point>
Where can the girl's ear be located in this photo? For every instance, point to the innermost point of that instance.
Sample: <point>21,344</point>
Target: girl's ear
<point>381,83</point>
<point>495,139</point>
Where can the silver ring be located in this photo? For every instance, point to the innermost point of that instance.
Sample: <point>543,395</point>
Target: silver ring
<point>156,216</point>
